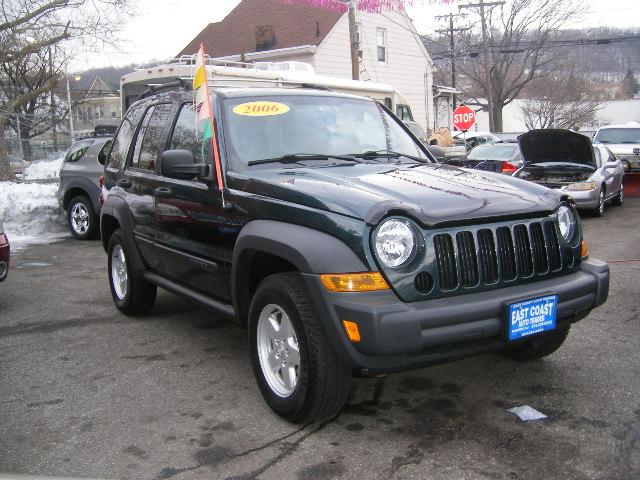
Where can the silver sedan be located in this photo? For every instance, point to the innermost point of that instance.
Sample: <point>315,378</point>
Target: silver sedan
<point>605,185</point>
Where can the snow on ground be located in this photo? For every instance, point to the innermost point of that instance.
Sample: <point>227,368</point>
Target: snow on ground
<point>30,212</point>
<point>43,169</point>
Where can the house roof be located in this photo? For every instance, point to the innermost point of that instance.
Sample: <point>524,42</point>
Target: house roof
<point>256,25</point>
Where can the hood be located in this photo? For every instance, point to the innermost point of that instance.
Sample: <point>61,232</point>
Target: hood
<point>432,193</point>
<point>556,146</point>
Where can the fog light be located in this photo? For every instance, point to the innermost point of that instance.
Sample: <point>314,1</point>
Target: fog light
<point>354,282</point>
<point>584,250</point>
<point>353,332</point>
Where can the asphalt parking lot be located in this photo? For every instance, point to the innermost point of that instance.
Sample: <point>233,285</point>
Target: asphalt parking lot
<point>88,392</point>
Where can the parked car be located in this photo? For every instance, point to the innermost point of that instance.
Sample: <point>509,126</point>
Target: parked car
<point>5,254</point>
<point>17,164</point>
<point>79,191</point>
<point>337,241</point>
<point>624,141</point>
<point>568,161</point>
<point>473,139</point>
<point>497,157</point>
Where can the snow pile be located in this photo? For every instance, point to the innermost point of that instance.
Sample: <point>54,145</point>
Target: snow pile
<point>43,170</point>
<point>30,213</point>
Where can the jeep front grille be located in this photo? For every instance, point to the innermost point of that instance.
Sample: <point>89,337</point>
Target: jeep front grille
<point>486,256</point>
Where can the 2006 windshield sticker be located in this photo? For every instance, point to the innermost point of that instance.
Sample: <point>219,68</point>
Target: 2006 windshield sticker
<point>260,109</point>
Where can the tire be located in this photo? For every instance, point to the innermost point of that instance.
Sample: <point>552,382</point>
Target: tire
<point>131,294</point>
<point>539,346</point>
<point>599,210</point>
<point>318,387</point>
<point>82,219</point>
<point>617,200</point>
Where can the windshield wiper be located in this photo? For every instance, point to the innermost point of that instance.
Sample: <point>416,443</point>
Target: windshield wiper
<point>389,154</point>
<point>296,157</point>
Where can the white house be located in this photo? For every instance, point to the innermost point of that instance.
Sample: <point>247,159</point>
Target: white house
<point>390,49</point>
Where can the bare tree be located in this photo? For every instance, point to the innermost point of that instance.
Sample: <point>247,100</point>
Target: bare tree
<point>562,100</point>
<point>520,37</point>
<point>30,32</point>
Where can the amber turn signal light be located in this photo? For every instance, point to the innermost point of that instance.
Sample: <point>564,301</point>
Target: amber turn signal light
<point>354,282</point>
<point>584,251</point>
<point>353,332</point>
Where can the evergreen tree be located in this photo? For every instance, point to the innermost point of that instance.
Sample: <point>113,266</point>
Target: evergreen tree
<point>630,85</point>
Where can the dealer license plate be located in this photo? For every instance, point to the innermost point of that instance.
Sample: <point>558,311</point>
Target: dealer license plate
<point>532,316</point>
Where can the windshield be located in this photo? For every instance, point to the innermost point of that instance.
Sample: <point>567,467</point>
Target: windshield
<point>274,126</point>
<point>618,135</point>
<point>493,152</point>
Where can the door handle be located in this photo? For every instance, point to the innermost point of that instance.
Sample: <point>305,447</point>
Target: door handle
<point>163,192</point>
<point>124,183</point>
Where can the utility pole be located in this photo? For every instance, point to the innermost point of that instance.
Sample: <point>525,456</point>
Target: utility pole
<point>485,53</point>
<point>53,105</point>
<point>19,136</point>
<point>450,31</point>
<point>71,132</point>
<point>353,38</point>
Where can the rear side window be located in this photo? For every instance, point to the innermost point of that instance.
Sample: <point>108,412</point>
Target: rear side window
<point>184,135</point>
<point>122,142</point>
<point>150,139</point>
<point>77,150</point>
<point>104,151</point>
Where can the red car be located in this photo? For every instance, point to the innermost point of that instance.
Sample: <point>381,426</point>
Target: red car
<point>4,254</point>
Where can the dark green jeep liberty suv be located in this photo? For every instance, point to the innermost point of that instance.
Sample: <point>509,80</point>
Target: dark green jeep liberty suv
<point>338,241</point>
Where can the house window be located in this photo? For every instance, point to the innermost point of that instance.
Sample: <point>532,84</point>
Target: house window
<point>265,38</point>
<point>381,36</point>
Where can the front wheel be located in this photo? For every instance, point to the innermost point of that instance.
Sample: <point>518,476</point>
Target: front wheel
<point>538,346</point>
<point>599,210</point>
<point>617,200</point>
<point>131,294</point>
<point>297,370</point>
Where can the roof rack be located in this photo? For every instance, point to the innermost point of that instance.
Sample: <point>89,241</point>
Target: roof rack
<point>180,83</point>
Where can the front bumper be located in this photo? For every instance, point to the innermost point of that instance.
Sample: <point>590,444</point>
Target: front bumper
<point>398,335</point>
<point>585,199</point>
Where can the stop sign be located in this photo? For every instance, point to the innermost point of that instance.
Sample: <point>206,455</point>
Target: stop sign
<point>463,118</point>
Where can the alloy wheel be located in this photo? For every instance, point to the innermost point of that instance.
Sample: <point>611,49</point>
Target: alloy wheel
<point>80,219</point>
<point>278,350</point>
<point>119,272</point>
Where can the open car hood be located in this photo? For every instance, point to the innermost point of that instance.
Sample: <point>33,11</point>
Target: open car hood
<point>556,146</point>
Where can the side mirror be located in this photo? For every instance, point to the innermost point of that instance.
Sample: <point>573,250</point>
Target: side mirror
<point>181,164</point>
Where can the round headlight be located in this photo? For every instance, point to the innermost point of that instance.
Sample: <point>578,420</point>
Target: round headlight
<point>567,222</point>
<point>395,243</point>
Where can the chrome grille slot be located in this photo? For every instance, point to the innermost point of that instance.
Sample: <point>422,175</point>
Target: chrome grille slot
<point>446,261</point>
<point>538,248</point>
<point>553,247</point>
<point>523,251</point>
<point>488,257</point>
<point>468,259</point>
<point>506,255</point>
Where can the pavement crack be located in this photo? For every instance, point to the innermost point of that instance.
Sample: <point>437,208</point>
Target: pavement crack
<point>169,472</point>
<point>630,443</point>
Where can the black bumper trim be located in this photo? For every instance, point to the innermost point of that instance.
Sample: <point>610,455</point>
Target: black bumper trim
<point>398,335</point>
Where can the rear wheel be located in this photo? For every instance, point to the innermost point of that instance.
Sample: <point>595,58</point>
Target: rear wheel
<point>538,346</point>
<point>81,219</point>
<point>131,294</point>
<point>599,210</point>
<point>297,370</point>
<point>617,200</point>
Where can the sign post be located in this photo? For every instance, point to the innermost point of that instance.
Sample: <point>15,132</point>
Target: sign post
<point>463,119</point>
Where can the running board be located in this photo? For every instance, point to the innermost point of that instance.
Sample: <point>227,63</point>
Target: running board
<point>215,306</point>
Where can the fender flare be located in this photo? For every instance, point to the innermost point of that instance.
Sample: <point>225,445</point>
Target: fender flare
<point>309,250</point>
<point>90,188</point>
<point>116,208</point>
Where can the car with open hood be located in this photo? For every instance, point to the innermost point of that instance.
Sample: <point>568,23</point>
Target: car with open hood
<point>321,224</point>
<point>624,142</point>
<point>568,161</point>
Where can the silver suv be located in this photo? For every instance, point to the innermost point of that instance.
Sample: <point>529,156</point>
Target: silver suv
<point>79,192</point>
<point>623,141</point>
